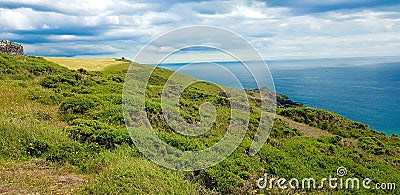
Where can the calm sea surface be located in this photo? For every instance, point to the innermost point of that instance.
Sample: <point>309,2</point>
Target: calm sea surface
<point>362,89</point>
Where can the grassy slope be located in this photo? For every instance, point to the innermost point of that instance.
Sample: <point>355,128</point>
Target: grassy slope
<point>63,131</point>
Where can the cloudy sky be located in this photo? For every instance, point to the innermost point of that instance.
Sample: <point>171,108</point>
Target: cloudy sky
<point>277,28</point>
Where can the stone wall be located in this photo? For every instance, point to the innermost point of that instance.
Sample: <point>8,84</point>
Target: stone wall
<point>11,48</point>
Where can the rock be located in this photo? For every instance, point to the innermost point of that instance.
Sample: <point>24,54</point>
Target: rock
<point>282,101</point>
<point>11,48</point>
<point>222,93</point>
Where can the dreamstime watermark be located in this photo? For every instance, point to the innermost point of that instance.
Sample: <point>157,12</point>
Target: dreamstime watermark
<point>330,182</point>
<point>183,43</point>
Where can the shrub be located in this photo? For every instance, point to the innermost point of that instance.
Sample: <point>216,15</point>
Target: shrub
<point>372,145</point>
<point>74,153</point>
<point>37,148</point>
<point>78,104</point>
<point>112,115</point>
<point>281,129</point>
<point>55,81</point>
<point>44,97</point>
<point>92,131</point>
<point>325,120</point>
<point>335,140</point>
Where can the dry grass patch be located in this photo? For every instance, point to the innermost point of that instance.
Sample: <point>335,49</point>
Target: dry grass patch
<point>92,64</point>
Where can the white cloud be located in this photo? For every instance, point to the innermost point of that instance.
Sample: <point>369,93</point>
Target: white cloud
<point>275,31</point>
<point>85,7</point>
<point>329,2</point>
<point>15,19</point>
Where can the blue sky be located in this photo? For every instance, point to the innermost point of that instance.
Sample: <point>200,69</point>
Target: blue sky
<point>277,28</point>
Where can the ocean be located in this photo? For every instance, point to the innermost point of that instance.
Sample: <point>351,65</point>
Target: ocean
<point>364,89</point>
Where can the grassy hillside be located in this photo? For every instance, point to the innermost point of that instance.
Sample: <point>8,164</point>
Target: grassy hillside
<point>62,131</point>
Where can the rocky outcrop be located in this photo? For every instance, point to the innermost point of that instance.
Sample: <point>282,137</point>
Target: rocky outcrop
<point>11,48</point>
<point>282,101</point>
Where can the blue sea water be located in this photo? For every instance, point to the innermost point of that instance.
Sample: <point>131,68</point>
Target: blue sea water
<point>362,89</point>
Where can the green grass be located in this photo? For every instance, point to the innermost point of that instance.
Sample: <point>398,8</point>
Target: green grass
<point>128,172</point>
<point>57,123</point>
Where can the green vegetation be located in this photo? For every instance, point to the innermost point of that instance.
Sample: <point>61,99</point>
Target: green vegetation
<point>62,131</point>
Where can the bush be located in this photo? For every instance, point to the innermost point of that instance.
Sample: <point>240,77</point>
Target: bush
<point>44,97</point>
<point>281,129</point>
<point>37,148</point>
<point>112,115</point>
<point>325,120</point>
<point>372,145</point>
<point>78,104</point>
<point>74,153</point>
<point>55,81</point>
<point>93,131</point>
<point>335,140</point>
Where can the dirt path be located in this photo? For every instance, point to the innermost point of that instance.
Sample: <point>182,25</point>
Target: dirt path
<point>38,177</point>
<point>305,129</point>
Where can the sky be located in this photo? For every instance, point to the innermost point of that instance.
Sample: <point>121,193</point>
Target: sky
<point>278,29</point>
